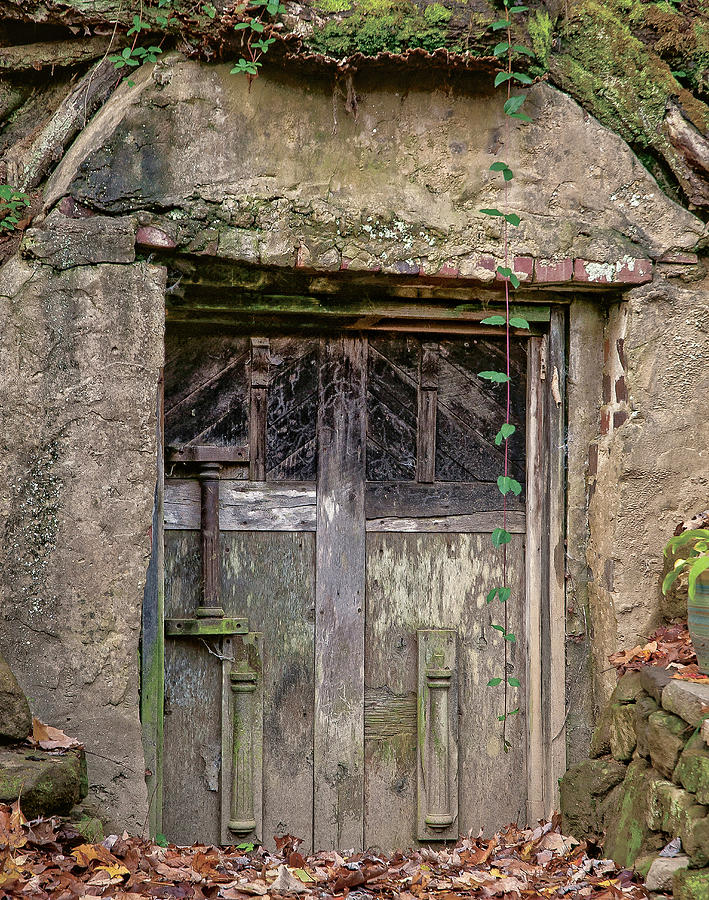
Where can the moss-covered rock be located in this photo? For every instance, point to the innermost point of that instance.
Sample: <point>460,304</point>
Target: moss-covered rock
<point>676,812</point>
<point>691,884</point>
<point>48,784</point>
<point>621,731</point>
<point>628,833</point>
<point>692,770</point>
<point>629,688</point>
<point>15,718</point>
<point>643,709</point>
<point>582,791</point>
<point>666,737</point>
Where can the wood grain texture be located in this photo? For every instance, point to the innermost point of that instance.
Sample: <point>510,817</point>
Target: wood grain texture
<point>392,404</point>
<point>270,578</point>
<point>193,694</point>
<point>423,581</point>
<point>206,397</point>
<point>291,448</point>
<point>244,505</point>
<point>427,405</point>
<point>480,523</point>
<point>258,399</point>
<point>339,621</point>
<point>388,499</point>
<point>556,556</point>
<point>536,489</point>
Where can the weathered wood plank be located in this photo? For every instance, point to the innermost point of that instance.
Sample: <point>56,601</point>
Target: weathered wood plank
<point>426,423</point>
<point>291,448</point>
<point>556,560</point>
<point>270,578</point>
<point>481,523</point>
<point>392,400</point>
<point>340,595</point>
<point>244,505</point>
<point>424,581</point>
<point>258,400</point>
<point>410,500</point>
<point>193,694</point>
<point>153,642</point>
<point>536,489</point>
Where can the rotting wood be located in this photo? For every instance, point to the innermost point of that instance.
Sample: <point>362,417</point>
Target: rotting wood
<point>410,500</point>
<point>387,715</point>
<point>482,523</point>
<point>340,596</point>
<point>554,653</point>
<point>210,600</point>
<point>426,420</point>
<point>258,400</point>
<point>33,57</point>
<point>197,453</point>
<point>536,753</point>
<point>27,167</point>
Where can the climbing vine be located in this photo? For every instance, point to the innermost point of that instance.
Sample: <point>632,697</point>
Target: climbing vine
<point>506,484</point>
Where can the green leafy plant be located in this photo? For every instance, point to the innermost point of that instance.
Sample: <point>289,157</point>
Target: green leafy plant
<point>256,38</point>
<point>12,204</point>
<point>696,561</point>
<point>506,484</point>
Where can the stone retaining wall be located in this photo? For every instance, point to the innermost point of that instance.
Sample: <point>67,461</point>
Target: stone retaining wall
<point>647,782</point>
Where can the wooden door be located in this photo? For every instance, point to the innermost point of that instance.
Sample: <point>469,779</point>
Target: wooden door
<point>327,660</point>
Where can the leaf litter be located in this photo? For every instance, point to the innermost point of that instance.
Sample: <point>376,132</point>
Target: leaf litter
<point>47,858</point>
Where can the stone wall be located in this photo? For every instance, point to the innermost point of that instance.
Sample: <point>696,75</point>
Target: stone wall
<point>80,354</point>
<point>647,781</point>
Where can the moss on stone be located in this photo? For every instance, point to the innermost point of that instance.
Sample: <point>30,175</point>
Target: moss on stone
<point>691,884</point>
<point>628,833</point>
<point>541,34</point>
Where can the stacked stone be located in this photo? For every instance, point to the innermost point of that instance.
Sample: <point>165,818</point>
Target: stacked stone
<point>647,782</point>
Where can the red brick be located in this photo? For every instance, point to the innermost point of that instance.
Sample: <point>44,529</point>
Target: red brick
<point>620,347</point>
<point>487,262</point>
<point>593,459</point>
<point>553,270</point>
<point>606,388</point>
<point>619,418</point>
<point>150,236</point>
<point>621,391</point>
<point>345,263</point>
<point>523,267</point>
<point>685,259</point>
<point>448,270</point>
<point>605,421</point>
<point>593,272</point>
<point>637,271</point>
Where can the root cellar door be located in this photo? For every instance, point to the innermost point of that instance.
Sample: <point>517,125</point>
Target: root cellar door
<point>328,511</point>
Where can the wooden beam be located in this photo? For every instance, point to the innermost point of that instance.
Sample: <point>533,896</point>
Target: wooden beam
<point>556,559</point>
<point>339,597</point>
<point>426,419</point>
<point>406,499</point>
<point>258,400</point>
<point>480,523</point>
<point>535,528</point>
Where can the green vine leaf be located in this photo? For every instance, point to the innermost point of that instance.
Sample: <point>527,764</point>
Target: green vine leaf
<point>518,9</point>
<point>496,377</point>
<point>502,592</point>
<point>209,9</point>
<point>505,432</point>
<point>500,48</point>
<point>494,320</point>
<point>500,629</point>
<point>508,174</point>
<point>507,484</point>
<point>515,281</point>
<point>501,23</point>
<point>498,167</point>
<point>240,26</point>
<point>511,638</point>
<point>513,219</point>
<point>491,212</point>
<point>519,322</point>
<point>512,104</point>
<point>493,682</point>
<point>502,77</point>
<point>136,27</point>
<point>513,682</point>
<point>504,271</point>
<point>500,537</point>
<point>518,48</point>
<point>522,77</point>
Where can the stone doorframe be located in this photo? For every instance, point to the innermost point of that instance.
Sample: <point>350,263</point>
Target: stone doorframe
<point>545,491</point>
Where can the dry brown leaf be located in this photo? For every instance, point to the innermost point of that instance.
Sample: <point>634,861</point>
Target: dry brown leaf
<point>49,738</point>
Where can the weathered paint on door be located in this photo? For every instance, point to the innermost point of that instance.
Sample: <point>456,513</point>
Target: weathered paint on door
<point>346,702</point>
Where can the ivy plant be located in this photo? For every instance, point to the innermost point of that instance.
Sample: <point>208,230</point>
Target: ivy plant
<point>12,204</point>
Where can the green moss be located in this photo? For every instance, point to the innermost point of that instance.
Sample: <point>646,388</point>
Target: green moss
<point>332,6</point>
<point>384,25</point>
<point>541,33</point>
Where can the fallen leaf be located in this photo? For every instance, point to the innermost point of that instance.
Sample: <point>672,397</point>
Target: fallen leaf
<point>49,738</point>
<point>286,883</point>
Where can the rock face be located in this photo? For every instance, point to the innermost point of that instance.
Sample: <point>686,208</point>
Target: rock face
<point>48,784</point>
<point>15,716</point>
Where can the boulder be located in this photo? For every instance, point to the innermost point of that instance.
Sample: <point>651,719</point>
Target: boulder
<point>629,688</point>
<point>692,770</point>
<point>660,877</point>
<point>689,701</point>
<point>675,812</point>
<point>621,731</point>
<point>643,709</point>
<point>15,717</point>
<point>63,243</point>
<point>48,783</point>
<point>628,832</point>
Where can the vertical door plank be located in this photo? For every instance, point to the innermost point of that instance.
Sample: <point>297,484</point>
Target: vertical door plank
<point>555,423</point>
<point>534,583</point>
<point>258,408</point>
<point>269,577</point>
<point>153,642</point>
<point>427,403</point>
<point>339,592</point>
